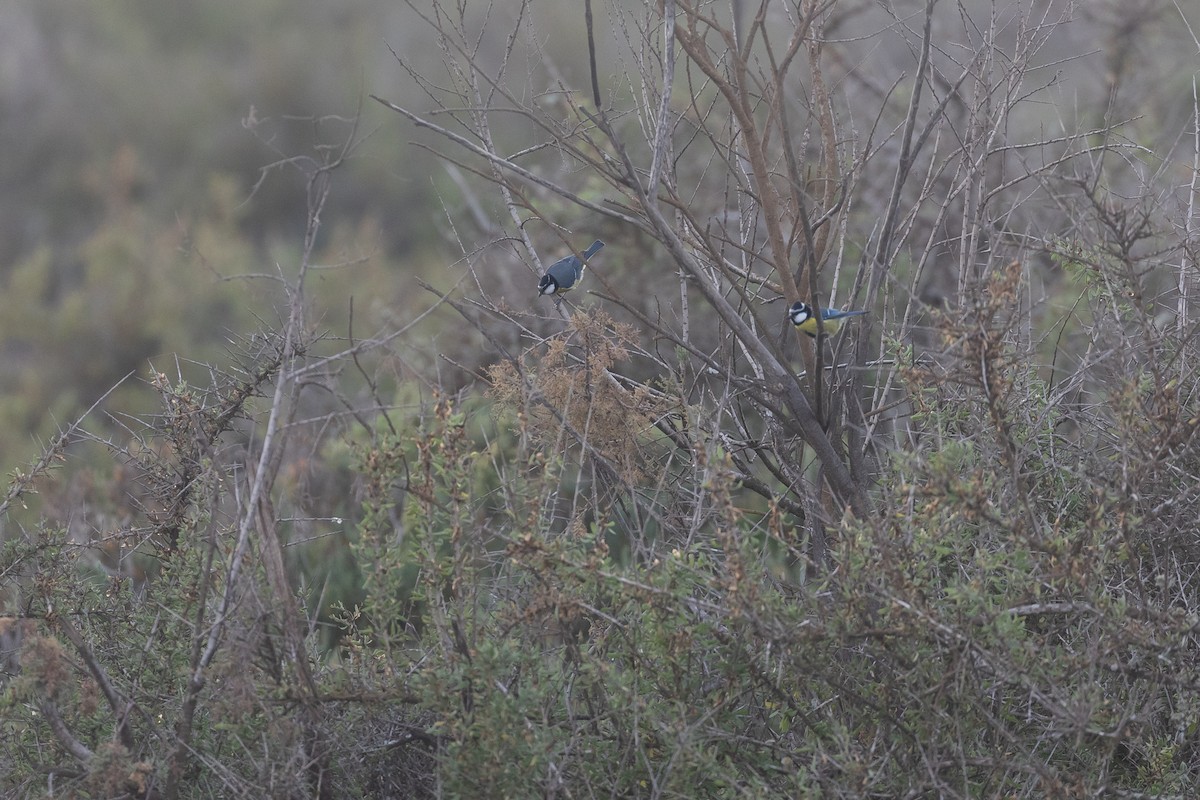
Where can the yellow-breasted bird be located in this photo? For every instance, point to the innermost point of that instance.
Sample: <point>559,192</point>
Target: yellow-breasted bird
<point>801,315</point>
<point>564,273</point>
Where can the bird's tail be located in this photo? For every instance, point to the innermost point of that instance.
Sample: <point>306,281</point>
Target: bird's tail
<point>593,248</point>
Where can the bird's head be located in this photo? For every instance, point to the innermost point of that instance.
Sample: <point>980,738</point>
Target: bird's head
<point>799,313</point>
<point>547,285</point>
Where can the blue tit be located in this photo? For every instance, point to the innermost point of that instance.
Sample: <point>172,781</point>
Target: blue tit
<point>801,315</point>
<point>564,273</point>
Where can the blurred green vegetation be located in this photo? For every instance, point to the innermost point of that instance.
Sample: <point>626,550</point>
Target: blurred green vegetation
<point>134,227</point>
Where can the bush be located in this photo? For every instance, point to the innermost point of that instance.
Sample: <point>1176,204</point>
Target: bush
<point>645,541</point>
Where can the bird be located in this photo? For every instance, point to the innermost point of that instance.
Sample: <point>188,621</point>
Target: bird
<point>801,315</point>
<point>566,272</point>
